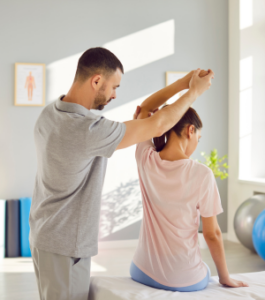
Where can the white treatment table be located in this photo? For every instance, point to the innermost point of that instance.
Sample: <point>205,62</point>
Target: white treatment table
<point>124,288</point>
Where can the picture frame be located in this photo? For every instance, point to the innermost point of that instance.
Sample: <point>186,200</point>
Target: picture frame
<point>29,84</point>
<point>172,77</point>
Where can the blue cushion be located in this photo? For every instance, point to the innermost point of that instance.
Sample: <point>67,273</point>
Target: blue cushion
<point>25,204</point>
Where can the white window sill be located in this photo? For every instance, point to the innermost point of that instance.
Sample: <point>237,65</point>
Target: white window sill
<point>253,180</point>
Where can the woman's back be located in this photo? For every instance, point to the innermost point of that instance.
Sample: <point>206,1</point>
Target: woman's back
<point>174,195</point>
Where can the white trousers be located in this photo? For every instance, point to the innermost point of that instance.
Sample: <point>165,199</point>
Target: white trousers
<point>61,277</point>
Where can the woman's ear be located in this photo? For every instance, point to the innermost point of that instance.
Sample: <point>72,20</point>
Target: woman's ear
<point>191,130</point>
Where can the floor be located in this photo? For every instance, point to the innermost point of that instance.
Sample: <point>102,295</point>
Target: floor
<point>17,279</point>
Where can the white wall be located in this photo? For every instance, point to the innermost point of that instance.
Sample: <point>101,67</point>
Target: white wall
<point>238,190</point>
<point>52,31</point>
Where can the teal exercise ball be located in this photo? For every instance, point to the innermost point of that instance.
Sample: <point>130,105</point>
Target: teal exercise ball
<point>258,234</point>
<point>245,217</point>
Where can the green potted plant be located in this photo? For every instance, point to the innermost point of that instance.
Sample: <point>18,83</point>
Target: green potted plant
<point>216,164</point>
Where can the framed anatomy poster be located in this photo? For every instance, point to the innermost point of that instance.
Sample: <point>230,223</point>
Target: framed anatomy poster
<point>172,77</point>
<point>29,84</point>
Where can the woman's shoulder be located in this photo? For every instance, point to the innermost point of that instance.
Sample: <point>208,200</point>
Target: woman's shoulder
<point>142,151</point>
<point>201,168</point>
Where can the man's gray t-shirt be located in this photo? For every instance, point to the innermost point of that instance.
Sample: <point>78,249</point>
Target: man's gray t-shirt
<point>73,145</point>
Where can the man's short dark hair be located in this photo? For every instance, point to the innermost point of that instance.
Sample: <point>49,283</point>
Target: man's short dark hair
<point>97,60</point>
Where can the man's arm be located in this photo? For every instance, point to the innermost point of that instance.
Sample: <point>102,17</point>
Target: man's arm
<point>138,131</point>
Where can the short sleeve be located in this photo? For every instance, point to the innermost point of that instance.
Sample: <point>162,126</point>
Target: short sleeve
<point>142,151</point>
<point>104,137</point>
<point>209,198</point>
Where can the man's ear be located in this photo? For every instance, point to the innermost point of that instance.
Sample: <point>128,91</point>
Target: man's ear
<point>96,81</point>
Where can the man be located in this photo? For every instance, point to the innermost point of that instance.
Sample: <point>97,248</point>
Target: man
<point>72,146</point>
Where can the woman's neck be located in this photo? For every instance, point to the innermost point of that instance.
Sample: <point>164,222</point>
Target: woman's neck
<point>174,149</point>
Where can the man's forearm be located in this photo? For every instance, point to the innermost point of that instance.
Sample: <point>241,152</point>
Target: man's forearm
<point>160,97</point>
<point>170,115</point>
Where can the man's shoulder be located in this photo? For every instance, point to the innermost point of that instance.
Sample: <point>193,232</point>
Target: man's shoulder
<point>99,122</point>
<point>48,108</point>
<point>45,112</point>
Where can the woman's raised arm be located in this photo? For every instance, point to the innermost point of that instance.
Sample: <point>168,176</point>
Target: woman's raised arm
<point>157,99</point>
<point>138,131</point>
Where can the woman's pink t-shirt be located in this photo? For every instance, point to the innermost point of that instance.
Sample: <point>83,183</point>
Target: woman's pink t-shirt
<point>174,194</point>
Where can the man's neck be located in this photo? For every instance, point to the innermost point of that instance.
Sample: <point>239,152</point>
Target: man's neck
<point>79,95</point>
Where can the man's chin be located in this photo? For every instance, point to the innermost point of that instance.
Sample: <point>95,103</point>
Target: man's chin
<point>100,107</point>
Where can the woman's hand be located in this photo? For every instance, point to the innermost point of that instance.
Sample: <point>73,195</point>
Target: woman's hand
<point>187,78</point>
<point>204,73</point>
<point>199,85</point>
<point>233,283</point>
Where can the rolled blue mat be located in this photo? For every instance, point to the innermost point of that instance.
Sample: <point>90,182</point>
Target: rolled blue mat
<point>25,204</point>
<point>2,227</point>
<point>12,228</point>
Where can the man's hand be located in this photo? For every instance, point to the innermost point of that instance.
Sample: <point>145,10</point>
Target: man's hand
<point>199,85</point>
<point>186,79</point>
<point>137,112</point>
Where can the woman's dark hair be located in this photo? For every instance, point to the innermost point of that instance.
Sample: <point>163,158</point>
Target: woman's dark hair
<point>97,60</point>
<point>190,118</point>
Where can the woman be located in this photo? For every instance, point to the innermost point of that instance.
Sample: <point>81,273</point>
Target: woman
<point>176,191</point>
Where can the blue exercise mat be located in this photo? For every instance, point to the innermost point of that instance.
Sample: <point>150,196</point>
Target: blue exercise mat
<point>25,204</point>
<point>12,228</point>
<point>2,227</point>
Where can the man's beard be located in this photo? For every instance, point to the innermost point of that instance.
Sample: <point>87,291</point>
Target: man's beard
<point>100,100</point>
